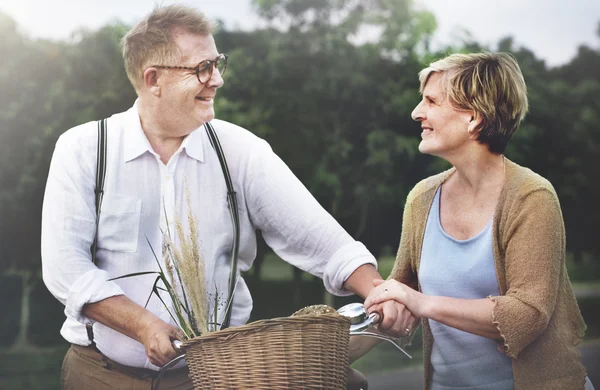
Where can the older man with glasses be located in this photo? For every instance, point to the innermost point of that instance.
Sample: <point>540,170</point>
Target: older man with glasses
<point>160,167</point>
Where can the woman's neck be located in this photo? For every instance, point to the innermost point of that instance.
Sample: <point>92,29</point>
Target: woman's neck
<point>479,172</point>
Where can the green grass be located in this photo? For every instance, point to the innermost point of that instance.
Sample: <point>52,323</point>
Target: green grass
<point>276,270</point>
<point>385,265</point>
<point>33,370</point>
<point>385,357</point>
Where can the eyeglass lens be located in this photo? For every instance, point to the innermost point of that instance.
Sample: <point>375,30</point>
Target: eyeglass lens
<point>205,68</point>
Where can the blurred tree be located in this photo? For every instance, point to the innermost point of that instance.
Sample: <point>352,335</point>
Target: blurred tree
<point>345,103</point>
<point>334,108</point>
<point>30,78</point>
<point>47,87</point>
<point>560,137</point>
<point>575,88</point>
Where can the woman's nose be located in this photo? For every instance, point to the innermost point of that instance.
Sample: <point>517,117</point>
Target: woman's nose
<point>417,114</point>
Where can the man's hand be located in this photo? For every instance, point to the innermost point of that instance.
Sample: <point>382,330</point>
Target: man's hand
<point>123,315</point>
<point>157,337</point>
<point>397,320</point>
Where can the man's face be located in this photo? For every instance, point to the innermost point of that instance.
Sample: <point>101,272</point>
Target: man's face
<point>444,128</point>
<point>185,103</point>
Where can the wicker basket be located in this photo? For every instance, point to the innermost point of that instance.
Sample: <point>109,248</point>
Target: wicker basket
<point>303,352</point>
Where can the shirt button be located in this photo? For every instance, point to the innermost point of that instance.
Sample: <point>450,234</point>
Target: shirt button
<point>168,178</point>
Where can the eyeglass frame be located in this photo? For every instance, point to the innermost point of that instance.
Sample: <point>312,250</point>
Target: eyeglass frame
<point>210,67</point>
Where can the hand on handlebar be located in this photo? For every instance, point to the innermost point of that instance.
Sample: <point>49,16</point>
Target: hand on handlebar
<point>159,338</point>
<point>397,320</point>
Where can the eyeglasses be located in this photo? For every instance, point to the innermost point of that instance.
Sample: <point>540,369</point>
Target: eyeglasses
<point>204,69</point>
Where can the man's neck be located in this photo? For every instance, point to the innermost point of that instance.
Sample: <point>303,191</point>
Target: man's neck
<point>165,147</point>
<point>164,140</point>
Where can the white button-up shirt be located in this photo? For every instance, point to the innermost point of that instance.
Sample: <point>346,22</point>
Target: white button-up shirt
<point>142,195</point>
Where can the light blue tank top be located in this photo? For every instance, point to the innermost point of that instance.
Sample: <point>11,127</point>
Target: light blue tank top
<point>461,269</point>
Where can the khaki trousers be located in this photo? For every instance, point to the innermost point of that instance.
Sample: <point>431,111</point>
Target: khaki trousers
<point>85,368</point>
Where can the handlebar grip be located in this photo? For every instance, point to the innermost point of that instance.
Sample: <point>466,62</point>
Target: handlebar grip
<point>177,345</point>
<point>375,317</point>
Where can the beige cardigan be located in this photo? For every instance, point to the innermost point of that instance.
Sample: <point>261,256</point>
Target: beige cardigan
<point>536,313</point>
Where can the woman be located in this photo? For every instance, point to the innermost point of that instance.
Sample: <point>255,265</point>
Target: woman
<point>482,252</point>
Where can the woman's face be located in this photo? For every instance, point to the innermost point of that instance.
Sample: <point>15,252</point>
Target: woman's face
<point>445,129</point>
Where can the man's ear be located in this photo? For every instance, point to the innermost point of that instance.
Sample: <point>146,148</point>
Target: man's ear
<point>474,125</point>
<point>151,82</point>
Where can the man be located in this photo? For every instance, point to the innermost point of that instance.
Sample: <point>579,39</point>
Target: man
<point>156,151</point>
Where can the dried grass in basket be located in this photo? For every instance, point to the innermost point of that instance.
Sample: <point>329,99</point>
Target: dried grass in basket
<point>301,352</point>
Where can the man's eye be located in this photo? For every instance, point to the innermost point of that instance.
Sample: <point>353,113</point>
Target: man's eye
<point>204,66</point>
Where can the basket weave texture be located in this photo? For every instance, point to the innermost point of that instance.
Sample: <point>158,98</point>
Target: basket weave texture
<point>303,352</point>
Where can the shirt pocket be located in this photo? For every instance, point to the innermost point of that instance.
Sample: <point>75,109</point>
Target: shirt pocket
<point>119,223</point>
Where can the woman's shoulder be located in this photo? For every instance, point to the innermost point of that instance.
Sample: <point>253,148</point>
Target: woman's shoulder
<point>427,187</point>
<point>522,181</point>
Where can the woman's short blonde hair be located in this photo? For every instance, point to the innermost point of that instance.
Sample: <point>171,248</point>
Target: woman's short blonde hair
<point>491,85</point>
<point>151,41</point>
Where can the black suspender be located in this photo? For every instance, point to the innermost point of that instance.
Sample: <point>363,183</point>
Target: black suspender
<point>235,219</point>
<point>99,192</point>
<point>100,174</point>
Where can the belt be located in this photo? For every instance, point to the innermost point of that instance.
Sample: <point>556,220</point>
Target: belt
<point>94,353</point>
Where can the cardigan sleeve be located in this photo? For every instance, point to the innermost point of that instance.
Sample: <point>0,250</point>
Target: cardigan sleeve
<point>403,270</point>
<point>534,246</point>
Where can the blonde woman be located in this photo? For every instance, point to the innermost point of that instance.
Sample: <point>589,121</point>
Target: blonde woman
<point>482,253</point>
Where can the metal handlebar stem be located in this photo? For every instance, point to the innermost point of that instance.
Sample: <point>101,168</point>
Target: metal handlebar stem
<point>177,347</point>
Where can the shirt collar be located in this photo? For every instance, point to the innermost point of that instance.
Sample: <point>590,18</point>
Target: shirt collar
<point>136,143</point>
<point>193,145</point>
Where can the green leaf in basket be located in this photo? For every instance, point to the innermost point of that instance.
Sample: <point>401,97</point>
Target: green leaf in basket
<point>134,274</point>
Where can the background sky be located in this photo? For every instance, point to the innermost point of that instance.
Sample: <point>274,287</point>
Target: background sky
<point>553,29</point>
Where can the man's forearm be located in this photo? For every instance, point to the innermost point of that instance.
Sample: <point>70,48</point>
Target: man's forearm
<point>121,314</point>
<point>360,281</point>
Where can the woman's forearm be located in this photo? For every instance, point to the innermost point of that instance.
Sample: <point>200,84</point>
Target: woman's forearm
<point>469,315</point>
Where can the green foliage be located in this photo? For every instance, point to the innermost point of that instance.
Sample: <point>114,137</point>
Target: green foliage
<point>47,87</point>
<point>336,112</point>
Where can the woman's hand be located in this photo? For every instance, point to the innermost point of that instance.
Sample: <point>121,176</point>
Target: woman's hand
<point>388,296</point>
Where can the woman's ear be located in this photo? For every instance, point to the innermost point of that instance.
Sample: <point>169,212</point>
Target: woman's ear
<point>474,125</point>
<point>151,82</point>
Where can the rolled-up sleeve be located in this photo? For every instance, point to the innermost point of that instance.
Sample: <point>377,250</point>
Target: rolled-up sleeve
<point>535,250</point>
<point>296,226</point>
<point>68,228</point>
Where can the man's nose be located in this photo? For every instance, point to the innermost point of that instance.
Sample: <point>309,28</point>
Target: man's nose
<point>216,80</point>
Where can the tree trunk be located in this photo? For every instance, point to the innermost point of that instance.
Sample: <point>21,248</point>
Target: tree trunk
<point>28,283</point>
<point>329,299</point>
<point>261,250</point>
<point>362,222</point>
